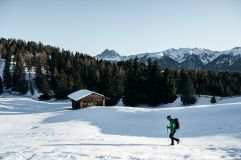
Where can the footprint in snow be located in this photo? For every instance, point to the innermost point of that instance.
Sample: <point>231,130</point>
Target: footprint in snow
<point>34,127</point>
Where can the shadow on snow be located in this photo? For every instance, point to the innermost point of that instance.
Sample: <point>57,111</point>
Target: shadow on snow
<point>194,122</point>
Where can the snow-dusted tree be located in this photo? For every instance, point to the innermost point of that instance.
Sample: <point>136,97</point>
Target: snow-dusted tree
<point>42,83</point>
<point>28,62</point>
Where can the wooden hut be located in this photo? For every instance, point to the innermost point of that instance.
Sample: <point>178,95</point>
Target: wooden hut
<point>85,98</point>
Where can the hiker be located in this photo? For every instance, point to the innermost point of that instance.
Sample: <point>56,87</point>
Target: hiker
<point>174,125</point>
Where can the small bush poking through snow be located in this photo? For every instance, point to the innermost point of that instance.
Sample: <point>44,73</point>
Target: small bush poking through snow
<point>213,99</point>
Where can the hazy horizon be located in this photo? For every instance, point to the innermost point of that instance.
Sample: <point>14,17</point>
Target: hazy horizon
<point>128,27</point>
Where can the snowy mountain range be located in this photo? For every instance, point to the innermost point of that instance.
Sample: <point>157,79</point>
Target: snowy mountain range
<point>187,58</point>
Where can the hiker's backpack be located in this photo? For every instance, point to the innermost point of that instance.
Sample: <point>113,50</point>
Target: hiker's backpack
<point>177,125</point>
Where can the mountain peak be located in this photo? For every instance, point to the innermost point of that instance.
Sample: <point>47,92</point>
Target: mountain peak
<point>109,53</point>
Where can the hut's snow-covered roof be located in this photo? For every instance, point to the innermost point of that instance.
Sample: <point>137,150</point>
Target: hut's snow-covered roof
<point>81,94</point>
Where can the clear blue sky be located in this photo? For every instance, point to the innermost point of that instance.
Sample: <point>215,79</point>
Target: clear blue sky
<point>128,26</point>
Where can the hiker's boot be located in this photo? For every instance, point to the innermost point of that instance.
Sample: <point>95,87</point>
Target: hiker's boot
<point>172,144</point>
<point>178,141</point>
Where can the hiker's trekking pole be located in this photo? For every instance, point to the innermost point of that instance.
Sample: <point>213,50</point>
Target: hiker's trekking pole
<point>167,134</point>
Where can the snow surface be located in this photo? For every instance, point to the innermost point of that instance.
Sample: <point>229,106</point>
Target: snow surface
<point>181,54</point>
<point>37,130</point>
<point>235,51</point>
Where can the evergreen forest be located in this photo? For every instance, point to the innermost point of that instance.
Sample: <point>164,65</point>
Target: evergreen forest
<point>55,73</point>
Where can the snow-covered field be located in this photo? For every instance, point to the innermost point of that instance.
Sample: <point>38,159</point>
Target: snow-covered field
<point>35,130</point>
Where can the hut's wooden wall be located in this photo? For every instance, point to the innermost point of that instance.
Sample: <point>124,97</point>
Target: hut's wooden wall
<point>93,100</point>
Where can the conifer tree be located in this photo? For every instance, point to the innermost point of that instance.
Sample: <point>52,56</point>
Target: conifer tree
<point>61,86</point>
<point>187,91</point>
<point>77,81</point>
<point>38,76</point>
<point>106,82</point>
<point>31,88</point>
<point>46,90</point>
<point>154,94</point>
<point>70,83</point>
<point>28,61</point>
<point>171,90</point>
<point>117,88</point>
<point>1,85</point>
<point>111,84</point>
<point>20,84</point>
<point>134,92</point>
<point>7,78</point>
<point>42,83</point>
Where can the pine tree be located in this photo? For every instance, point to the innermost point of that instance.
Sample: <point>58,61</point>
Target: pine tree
<point>61,86</point>
<point>117,88</point>
<point>133,85</point>
<point>20,84</point>
<point>170,86</point>
<point>77,84</point>
<point>154,79</point>
<point>1,85</point>
<point>28,61</point>
<point>7,78</point>
<point>54,80</point>
<point>70,83</point>
<point>101,82</point>
<point>106,82</point>
<point>187,91</point>
<point>31,88</point>
<point>38,76</point>
<point>42,83</point>
<point>46,90</point>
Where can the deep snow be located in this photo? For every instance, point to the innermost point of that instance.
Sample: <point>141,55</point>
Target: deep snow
<point>31,129</point>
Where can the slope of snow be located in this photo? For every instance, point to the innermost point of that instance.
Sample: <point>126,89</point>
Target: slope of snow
<point>235,51</point>
<point>148,55</point>
<point>37,130</point>
<point>181,54</point>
